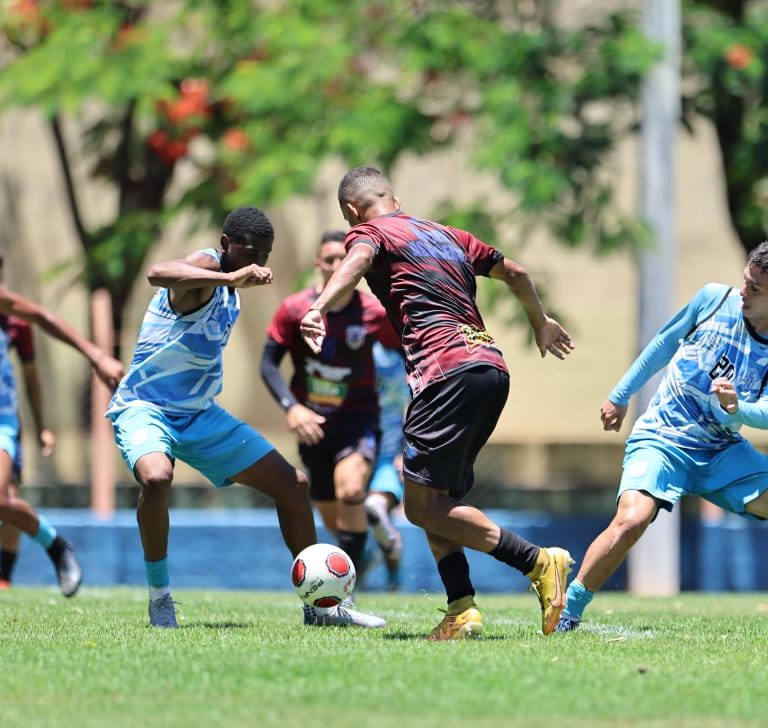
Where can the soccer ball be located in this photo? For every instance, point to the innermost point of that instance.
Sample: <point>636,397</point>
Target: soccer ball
<point>323,575</point>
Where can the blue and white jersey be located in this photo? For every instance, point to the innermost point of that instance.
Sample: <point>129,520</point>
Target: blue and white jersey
<point>177,364</point>
<point>394,396</point>
<point>9,400</point>
<point>707,339</point>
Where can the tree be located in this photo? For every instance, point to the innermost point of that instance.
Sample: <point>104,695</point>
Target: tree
<point>249,98</point>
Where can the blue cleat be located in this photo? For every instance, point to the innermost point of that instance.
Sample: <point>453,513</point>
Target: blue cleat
<point>162,612</point>
<point>567,624</point>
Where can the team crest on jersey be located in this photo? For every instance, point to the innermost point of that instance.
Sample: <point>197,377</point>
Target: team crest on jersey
<point>354,336</point>
<point>475,338</point>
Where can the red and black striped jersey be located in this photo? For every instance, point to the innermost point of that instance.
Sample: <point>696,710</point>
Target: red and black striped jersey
<point>424,275</point>
<point>341,378</point>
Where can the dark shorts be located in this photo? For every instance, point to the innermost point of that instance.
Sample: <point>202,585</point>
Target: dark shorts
<point>354,434</point>
<point>447,425</point>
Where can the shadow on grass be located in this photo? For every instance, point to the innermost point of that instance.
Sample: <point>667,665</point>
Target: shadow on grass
<point>401,636</point>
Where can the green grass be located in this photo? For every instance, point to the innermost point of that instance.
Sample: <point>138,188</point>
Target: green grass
<point>243,659</point>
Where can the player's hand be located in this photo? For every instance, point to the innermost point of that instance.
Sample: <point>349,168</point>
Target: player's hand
<point>306,424</point>
<point>47,441</point>
<point>109,370</point>
<point>726,394</point>
<point>612,415</point>
<point>249,276</point>
<point>553,338</point>
<point>312,328</point>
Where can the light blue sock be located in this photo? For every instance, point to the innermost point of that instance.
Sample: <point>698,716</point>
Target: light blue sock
<point>157,573</point>
<point>46,533</point>
<point>576,600</point>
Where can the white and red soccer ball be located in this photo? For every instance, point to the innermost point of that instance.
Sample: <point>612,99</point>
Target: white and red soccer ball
<point>323,575</point>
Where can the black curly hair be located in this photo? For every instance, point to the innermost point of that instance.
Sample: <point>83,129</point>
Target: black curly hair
<point>247,225</point>
<point>758,257</point>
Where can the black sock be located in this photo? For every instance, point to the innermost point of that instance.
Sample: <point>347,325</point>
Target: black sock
<point>516,551</point>
<point>354,544</point>
<point>7,562</point>
<point>454,571</point>
<point>55,549</point>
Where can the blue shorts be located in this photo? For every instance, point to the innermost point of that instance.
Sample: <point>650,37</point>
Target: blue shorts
<point>10,436</point>
<point>730,478</point>
<point>386,479</point>
<point>212,441</point>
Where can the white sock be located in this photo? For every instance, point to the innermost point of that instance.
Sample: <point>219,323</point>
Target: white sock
<point>155,592</point>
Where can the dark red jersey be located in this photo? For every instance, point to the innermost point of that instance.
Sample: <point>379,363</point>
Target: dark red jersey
<point>20,336</point>
<point>340,379</point>
<point>424,275</point>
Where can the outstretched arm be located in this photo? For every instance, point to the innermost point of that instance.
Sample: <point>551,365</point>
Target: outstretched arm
<point>109,370</point>
<point>31,376</point>
<point>550,336</point>
<point>344,279</point>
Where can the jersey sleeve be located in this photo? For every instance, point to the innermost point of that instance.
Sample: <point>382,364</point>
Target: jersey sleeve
<point>284,327</point>
<point>23,340</point>
<point>481,255</point>
<point>366,234</point>
<point>657,354</point>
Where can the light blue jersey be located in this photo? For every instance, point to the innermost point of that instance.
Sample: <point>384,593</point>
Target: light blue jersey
<point>394,396</point>
<point>707,339</point>
<point>9,400</point>
<point>177,364</point>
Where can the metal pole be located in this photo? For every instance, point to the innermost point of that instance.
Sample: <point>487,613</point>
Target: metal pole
<point>654,562</point>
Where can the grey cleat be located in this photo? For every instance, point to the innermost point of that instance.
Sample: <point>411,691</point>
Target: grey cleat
<point>68,571</point>
<point>162,612</point>
<point>340,616</point>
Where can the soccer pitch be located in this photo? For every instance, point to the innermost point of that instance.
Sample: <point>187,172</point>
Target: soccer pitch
<point>243,658</point>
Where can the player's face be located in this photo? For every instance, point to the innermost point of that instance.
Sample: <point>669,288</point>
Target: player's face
<point>754,294</point>
<point>329,256</point>
<point>238,255</point>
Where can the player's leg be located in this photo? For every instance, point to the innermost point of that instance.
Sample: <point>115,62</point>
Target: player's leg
<point>10,538</point>
<point>145,438</point>
<point>18,513</point>
<point>385,493</point>
<point>350,479</point>
<point>445,428</point>
<point>288,487</point>
<point>462,618</point>
<point>654,476</point>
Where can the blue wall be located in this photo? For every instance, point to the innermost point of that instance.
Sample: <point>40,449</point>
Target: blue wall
<point>242,549</point>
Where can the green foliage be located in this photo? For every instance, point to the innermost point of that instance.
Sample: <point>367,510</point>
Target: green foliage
<point>243,658</point>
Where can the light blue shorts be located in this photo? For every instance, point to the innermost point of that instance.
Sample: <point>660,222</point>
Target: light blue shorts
<point>730,478</point>
<point>212,441</point>
<point>386,479</point>
<point>9,436</point>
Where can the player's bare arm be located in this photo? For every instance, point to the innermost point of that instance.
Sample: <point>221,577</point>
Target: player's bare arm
<point>344,279</point>
<point>612,415</point>
<point>726,394</point>
<point>107,368</point>
<point>550,335</point>
<point>192,280</point>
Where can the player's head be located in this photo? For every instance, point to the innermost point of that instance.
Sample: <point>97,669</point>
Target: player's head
<point>754,290</point>
<point>246,238</point>
<point>330,252</point>
<point>365,193</point>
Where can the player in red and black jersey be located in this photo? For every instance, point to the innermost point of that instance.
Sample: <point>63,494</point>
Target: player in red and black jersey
<point>424,275</point>
<point>21,339</point>
<point>331,404</point>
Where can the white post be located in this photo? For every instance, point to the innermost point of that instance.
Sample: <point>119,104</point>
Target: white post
<point>654,562</point>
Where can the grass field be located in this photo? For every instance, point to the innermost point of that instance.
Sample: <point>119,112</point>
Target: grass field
<point>243,659</point>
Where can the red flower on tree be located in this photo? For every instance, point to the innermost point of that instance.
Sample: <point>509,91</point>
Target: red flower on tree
<point>738,56</point>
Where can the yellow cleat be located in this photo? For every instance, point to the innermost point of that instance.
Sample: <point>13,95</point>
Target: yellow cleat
<point>549,580</point>
<point>462,621</point>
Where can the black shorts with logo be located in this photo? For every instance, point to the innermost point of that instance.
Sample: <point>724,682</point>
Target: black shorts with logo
<point>447,425</point>
<point>354,433</point>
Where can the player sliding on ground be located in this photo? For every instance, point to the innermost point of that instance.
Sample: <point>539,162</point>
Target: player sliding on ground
<point>687,441</point>
<point>424,274</point>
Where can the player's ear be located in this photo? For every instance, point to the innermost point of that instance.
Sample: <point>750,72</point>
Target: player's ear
<point>224,242</point>
<point>351,213</point>
<point>397,202</point>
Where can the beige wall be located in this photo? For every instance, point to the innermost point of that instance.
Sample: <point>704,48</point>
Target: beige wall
<point>550,401</point>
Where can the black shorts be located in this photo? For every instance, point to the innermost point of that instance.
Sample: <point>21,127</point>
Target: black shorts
<point>355,433</point>
<point>447,425</point>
